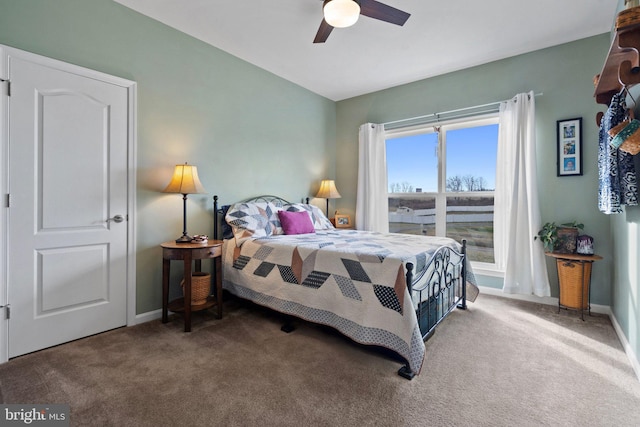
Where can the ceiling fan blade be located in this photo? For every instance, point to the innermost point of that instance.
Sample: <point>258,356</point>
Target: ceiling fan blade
<point>375,9</point>
<point>323,32</point>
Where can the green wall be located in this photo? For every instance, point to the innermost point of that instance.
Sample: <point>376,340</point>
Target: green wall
<point>248,131</point>
<point>564,75</point>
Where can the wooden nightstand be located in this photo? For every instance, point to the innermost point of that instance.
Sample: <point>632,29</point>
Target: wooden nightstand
<point>188,252</point>
<point>574,280</point>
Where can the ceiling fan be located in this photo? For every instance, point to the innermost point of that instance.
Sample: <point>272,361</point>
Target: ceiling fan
<point>344,13</point>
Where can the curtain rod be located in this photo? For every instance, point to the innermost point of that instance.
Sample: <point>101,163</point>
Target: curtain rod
<point>458,110</point>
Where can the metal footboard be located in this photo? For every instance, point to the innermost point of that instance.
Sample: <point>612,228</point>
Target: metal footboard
<point>443,290</point>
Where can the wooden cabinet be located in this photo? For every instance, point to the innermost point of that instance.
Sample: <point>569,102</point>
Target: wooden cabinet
<point>574,280</point>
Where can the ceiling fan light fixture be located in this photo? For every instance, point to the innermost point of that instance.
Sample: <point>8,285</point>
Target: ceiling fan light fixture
<point>341,13</point>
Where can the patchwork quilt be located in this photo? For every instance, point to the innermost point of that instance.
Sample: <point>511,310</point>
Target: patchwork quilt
<point>351,280</point>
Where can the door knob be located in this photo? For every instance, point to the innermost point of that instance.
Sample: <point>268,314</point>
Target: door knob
<point>117,218</point>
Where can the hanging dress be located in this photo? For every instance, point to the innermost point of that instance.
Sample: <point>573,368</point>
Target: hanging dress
<point>616,171</point>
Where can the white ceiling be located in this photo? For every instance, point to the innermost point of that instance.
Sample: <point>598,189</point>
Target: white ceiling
<point>440,36</point>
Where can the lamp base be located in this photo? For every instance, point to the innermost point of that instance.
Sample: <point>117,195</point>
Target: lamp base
<point>184,239</point>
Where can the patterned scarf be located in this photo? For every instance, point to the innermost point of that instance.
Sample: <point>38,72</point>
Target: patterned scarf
<point>617,174</point>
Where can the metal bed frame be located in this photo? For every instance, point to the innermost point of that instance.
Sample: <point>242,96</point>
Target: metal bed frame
<point>445,273</point>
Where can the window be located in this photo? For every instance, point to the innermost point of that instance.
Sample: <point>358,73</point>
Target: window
<point>442,181</point>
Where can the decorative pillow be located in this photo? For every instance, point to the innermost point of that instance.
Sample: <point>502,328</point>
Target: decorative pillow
<point>296,222</point>
<point>318,218</point>
<point>253,220</point>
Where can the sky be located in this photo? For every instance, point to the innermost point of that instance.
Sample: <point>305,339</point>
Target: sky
<point>470,151</point>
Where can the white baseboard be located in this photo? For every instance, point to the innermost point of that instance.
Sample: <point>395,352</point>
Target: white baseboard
<point>595,308</point>
<point>148,316</point>
<point>633,358</point>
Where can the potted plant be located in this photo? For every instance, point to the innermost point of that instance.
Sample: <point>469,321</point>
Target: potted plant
<point>559,238</point>
<point>548,235</point>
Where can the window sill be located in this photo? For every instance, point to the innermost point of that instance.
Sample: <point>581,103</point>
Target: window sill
<point>484,269</point>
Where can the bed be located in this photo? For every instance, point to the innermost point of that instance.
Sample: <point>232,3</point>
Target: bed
<point>382,289</point>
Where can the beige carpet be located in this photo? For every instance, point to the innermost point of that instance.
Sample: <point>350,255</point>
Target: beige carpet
<point>500,363</point>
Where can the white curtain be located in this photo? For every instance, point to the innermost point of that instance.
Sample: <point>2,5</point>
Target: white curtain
<point>517,211</point>
<point>372,205</point>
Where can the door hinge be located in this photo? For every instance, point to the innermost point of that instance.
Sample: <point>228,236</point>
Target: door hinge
<point>8,82</point>
<point>7,311</point>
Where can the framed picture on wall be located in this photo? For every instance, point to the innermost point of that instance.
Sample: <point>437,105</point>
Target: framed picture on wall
<point>569,147</point>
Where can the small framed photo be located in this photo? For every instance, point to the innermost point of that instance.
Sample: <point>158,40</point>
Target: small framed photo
<point>570,147</point>
<point>343,221</point>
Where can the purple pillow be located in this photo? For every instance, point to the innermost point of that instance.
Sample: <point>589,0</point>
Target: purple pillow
<point>296,222</point>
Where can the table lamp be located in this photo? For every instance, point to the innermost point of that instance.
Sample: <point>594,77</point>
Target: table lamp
<point>328,191</point>
<point>185,181</point>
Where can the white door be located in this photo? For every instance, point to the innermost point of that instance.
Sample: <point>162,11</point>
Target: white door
<point>67,252</point>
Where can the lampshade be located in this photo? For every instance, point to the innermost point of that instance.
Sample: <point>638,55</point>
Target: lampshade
<point>341,13</point>
<point>328,190</point>
<point>185,181</point>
